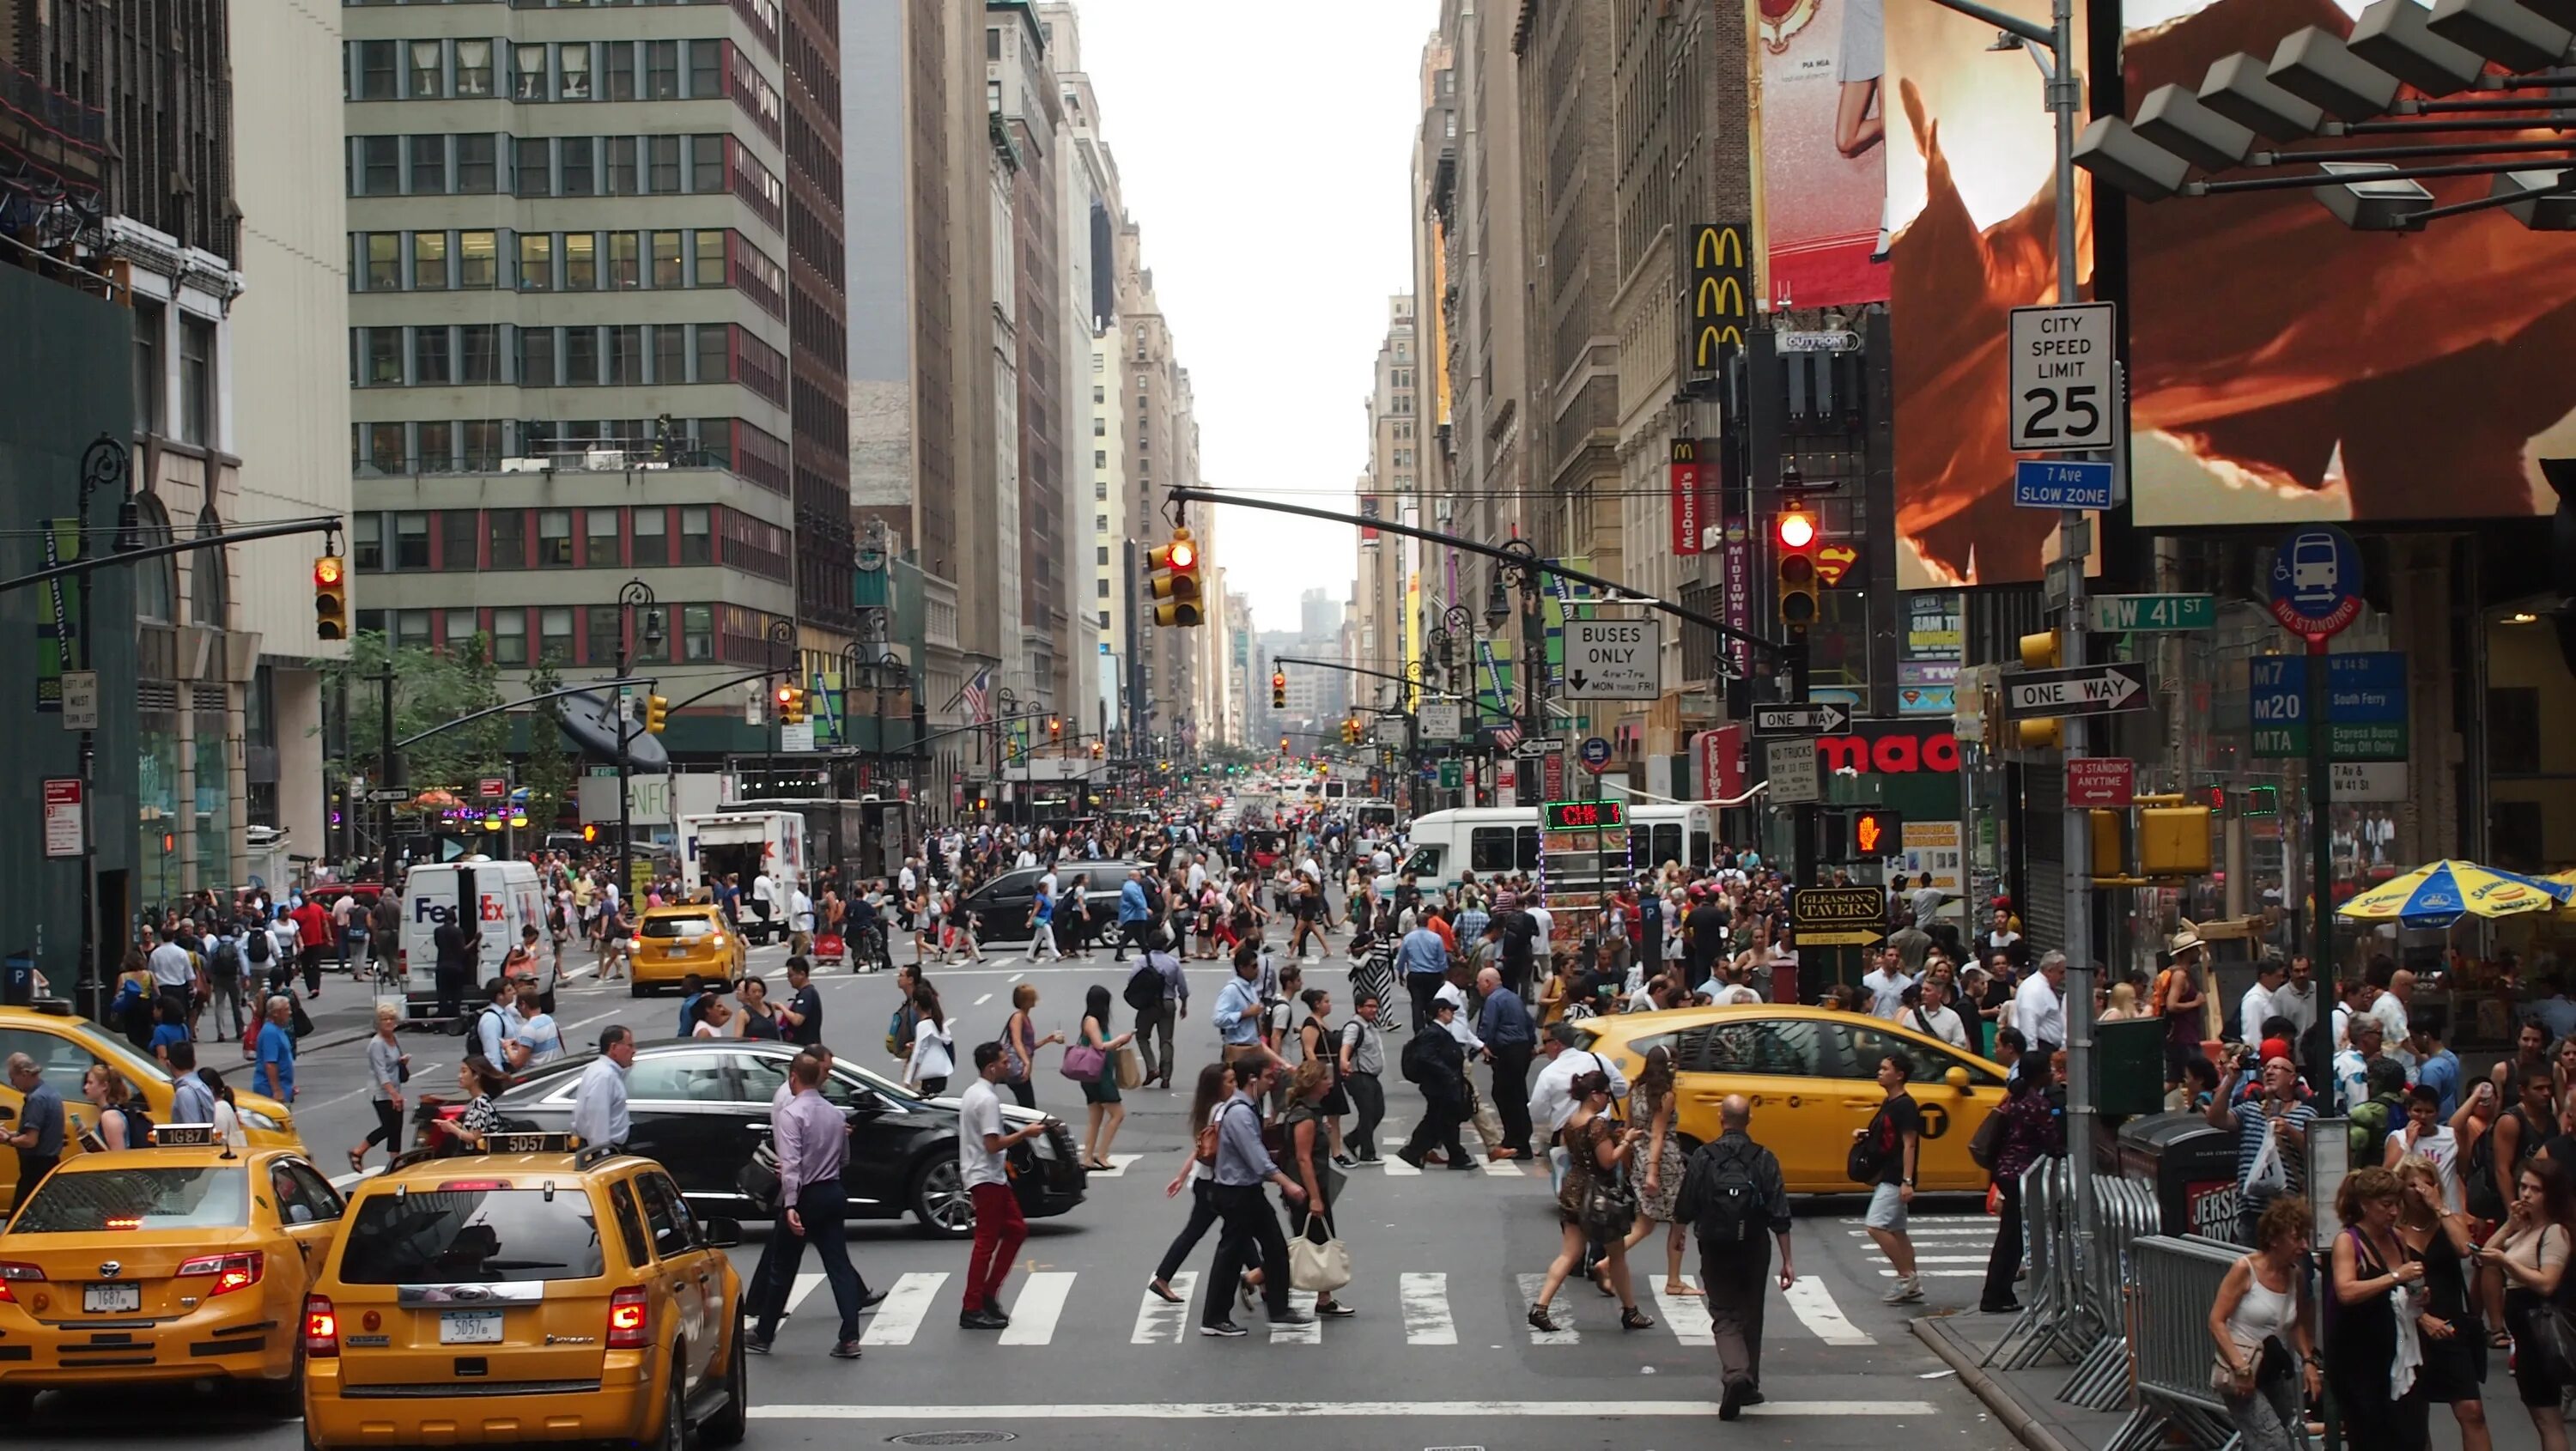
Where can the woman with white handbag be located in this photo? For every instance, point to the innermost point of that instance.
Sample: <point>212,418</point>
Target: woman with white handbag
<point>1317,1260</point>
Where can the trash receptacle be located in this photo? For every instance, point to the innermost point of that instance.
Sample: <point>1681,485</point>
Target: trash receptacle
<point>2129,1067</point>
<point>2193,1167</point>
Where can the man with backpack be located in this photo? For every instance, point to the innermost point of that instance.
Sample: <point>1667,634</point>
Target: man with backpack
<point>1730,1195</point>
<point>1161,996</point>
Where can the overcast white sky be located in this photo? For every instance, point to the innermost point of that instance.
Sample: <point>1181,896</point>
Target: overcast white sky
<point>1264,150</point>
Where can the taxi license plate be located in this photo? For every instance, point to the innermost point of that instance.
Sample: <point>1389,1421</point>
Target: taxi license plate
<point>109,1299</point>
<point>679,950</point>
<point>469,1327</point>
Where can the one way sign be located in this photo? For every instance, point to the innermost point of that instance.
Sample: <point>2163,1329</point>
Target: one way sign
<point>2083,690</point>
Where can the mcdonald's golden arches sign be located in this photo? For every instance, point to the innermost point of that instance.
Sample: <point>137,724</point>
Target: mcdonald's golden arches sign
<point>1721,286</point>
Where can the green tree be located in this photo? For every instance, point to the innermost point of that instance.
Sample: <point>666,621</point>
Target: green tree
<point>547,771</point>
<point>431,688</point>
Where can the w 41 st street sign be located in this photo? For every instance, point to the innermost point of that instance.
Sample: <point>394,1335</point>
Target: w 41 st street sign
<point>2082,690</point>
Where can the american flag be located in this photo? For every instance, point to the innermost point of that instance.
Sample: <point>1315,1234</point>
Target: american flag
<point>979,703</point>
<point>1506,737</point>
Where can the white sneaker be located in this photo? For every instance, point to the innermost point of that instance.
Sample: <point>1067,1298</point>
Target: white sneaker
<point>1904,1292</point>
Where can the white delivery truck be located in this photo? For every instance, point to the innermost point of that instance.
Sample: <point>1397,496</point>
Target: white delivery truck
<point>748,845</point>
<point>497,898</point>
<point>1497,840</point>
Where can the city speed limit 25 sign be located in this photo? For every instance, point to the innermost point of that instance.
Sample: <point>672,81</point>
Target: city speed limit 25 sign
<point>2062,395</point>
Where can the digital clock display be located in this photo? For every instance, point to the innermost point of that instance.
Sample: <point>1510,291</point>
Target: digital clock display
<point>1584,815</point>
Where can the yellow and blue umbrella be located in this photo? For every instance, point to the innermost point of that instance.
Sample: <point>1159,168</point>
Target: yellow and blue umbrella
<point>2443,892</point>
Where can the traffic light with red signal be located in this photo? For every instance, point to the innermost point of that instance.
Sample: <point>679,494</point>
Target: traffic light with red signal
<point>791,705</point>
<point>1279,691</point>
<point>330,598</point>
<point>1795,534</point>
<point>1172,580</point>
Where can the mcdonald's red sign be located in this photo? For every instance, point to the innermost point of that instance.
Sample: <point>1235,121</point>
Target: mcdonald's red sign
<point>1685,496</point>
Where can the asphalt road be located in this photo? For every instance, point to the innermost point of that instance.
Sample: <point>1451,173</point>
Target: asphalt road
<point>1438,1356</point>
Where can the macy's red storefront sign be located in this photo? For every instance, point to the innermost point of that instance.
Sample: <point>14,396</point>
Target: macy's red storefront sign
<point>1890,748</point>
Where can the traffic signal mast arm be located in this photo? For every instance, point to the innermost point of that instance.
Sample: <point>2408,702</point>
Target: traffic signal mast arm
<point>1626,593</point>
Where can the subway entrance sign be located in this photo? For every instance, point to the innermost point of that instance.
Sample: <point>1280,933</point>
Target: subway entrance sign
<point>1838,916</point>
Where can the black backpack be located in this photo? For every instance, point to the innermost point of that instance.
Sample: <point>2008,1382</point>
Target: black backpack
<point>1145,985</point>
<point>1415,1062</point>
<point>257,943</point>
<point>1719,1198</point>
<point>226,960</point>
<point>2484,1197</point>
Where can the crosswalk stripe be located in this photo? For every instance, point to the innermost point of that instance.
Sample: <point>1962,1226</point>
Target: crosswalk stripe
<point>1936,1259</point>
<point>1986,1233</point>
<point>1396,1168</point>
<point>1938,1274</point>
<point>1310,1333</point>
<point>1158,1321</point>
<point>907,1303</point>
<point>1117,1166</point>
<point>1425,1298</point>
<point>805,1285</point>
<point>1815,1308</point>
<point>1039,1305</point>
<point>1530,1286</point>
<point>1686,1315</point>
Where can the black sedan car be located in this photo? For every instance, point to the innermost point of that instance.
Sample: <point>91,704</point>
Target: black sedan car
<point>1002,905</point>
<point>701,1106</point>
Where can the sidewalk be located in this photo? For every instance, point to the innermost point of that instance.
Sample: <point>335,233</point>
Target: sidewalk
<point>2024,1401</point>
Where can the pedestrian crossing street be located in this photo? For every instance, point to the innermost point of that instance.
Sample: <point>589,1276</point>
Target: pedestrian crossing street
<point>1946,1246</point>
<point>1430,1308</point>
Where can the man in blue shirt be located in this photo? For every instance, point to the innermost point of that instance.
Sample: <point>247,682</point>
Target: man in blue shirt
<point>1133,913</point>
<point>1238,1008</point>
<point>2436,1067</point>
<point>276,1062</point>
<point>1510,1038</point>
<point>1424,963</point>
<point>39,1135</point>
<point>1242,1165</point>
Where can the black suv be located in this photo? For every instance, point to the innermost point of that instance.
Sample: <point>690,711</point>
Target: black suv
<point>1001,906</point>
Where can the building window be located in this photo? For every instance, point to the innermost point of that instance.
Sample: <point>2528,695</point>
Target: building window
<point>207,595</point>
<point>661,70</point>
<point>670,353</point>
<point>706,163</point>
<point>384,261</point>
<point>428,261</point>
<point>617,70</point>
<point>621,166</point>
<point>482,444</point>
<point>697,537</point>
<point>381,160</point>
<point>477,165</point>
<point>581,357</point>
<point>599,538</point>
<point>554,635</point>
<point>1099,428</point>
<point>1100,555</point>
<point>534,166</point>
<point>1104,588</point>
<point>148,381</point>
<point>196,381</point>
<point>384,443</point>
<point>509,637</point>
<point>711,259</point>
<point>581,261</point>
<point>429,356</point>
<point>459,539</point>
<point>507,529</point>
<point>604,636</point>
<point>528,72</point>
<point>437,447</point>
<point>1099,523</point>
<point>554,538</point>
<point>411,629</point>
<point>697,632</point>
<point>706,69</point>
<point>411,541</point>
<point>580,160</point>
<point>715,360</point>
<point>625,267</point>
<point>473,68</point>
<point>375,70</point>
<point>478,259</point>
<point>366,543</point>
<point>1098,393</point>
<point>536,357</point>
<point>573,63</point>
<point>536,262</point>
<point>383,348</point>
<point>1100,459</point>
<point>479,353</point>
<point>625,363</point>
<point>1100,489</point>
<point>666,259</point>
<point>428,70</point>
<point>652,538</point>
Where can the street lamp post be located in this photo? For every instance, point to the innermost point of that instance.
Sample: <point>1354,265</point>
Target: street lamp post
<point>1461,622</point>
<point>633,595</point>
<point>103,465</point>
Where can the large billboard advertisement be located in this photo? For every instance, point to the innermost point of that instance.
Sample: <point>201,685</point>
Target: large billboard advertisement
<point>1970,156</point>
<point>2283,367</point>
<point>1820,122</point>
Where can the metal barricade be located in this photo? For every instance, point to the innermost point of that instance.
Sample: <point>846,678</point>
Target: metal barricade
<point>2170,1285</point>
<point>2124,1212</point>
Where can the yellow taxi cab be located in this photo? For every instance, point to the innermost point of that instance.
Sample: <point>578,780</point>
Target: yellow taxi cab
<point>179,1262</point>
<point>528,1293</point>
<point>64,1047</point>
<point>672,942</point>
<point>1811,1074</point>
